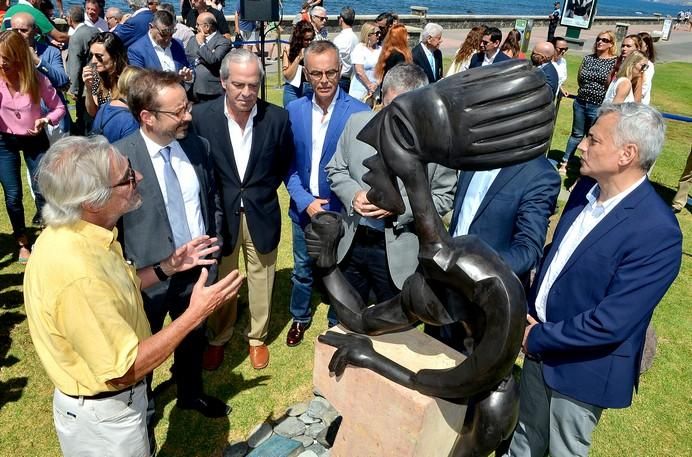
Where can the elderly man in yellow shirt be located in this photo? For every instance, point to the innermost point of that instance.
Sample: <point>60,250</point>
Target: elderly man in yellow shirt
<point>84,307</point>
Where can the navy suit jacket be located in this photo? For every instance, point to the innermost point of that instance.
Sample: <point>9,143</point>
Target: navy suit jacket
<point>601,303</point>
<point>421,59</point>
<point>142,54</point>
<point>298,178</point>
<point>135,27</point>
<point>551,76</point>
<point>513,216</point>
<point>51,65</point>
<point>477,59</point>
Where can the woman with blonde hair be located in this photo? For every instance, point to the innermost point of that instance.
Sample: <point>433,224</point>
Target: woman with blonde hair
<point>395,50</point>
<point>627,86</point>
<point>364,58</point>
<point>593,79</point>
<point>470,46</point>
<point>22,127</point>
<point>114,119</point>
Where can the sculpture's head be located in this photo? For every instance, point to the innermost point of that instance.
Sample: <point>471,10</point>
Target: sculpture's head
<point>485,118</point>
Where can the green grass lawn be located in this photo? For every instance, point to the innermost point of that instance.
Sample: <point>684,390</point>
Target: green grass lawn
<point>656,424</point>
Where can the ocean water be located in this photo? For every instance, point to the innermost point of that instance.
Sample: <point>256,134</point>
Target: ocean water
<point>500,7</point>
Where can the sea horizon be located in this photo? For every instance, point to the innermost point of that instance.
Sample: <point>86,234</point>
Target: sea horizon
<point>467,7</point>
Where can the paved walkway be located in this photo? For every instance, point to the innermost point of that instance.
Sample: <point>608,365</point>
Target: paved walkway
<point>677,49</point>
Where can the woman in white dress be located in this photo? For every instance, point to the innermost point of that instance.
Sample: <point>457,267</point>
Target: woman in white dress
<point>629,78</point>
<point>648,50</point>
<point>364,58</point>
<point>468,48</point>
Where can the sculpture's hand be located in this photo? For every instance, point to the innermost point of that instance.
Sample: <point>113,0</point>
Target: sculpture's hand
<point>322,238</point>
<point>352,349</point>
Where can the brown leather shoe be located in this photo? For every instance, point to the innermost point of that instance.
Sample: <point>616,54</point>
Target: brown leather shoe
<point>212,357</point>
<point>259,356</point>
<point>296,333</point>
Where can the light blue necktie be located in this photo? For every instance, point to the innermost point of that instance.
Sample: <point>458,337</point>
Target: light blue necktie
<point>177,217</point>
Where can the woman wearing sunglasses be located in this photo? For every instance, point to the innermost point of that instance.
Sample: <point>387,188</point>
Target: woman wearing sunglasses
<point>22,127</point>
<point>364,58</point>
<point>108,60</point>
<point>593,79</point>
<point>627,86</point>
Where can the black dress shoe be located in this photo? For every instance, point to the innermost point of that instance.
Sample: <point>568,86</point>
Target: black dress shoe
<point>296,333</point>
<point>208,406</point>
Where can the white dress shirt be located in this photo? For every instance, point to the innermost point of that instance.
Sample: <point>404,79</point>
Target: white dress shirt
<point>561,67</point>
<point>189,184</point>
<point>489,61</point>
<point>346,41</point>
<point>320,124</point>
<point>241,139</point>
<point>592,214</point>
<point>478,188</point>
<point>164,55</point>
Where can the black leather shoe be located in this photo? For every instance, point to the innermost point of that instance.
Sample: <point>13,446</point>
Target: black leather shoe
<point>296,333</point>
<point>207,406</point>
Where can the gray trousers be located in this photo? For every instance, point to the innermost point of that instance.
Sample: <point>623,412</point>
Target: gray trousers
<point>550,422</point>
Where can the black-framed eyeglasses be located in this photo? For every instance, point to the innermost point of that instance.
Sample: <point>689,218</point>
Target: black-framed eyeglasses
<point>130,178</point>
<point>177,114</point>
<point>318,75</point>
<point>98,57</point>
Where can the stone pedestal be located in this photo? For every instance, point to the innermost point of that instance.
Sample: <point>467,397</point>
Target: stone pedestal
<point>382,418</point>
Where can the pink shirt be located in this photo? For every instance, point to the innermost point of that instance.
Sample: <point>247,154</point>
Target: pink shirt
<point>18,114</point>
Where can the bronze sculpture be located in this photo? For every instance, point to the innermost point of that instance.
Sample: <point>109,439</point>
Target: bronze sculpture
<point>481,119</point>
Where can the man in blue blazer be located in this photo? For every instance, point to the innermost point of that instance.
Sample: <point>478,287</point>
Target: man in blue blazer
<point>157,50</point>
<point>508,208</point>
<point>490,49</point>
<point>317,122</point>
<point>615,252</point>
<point>137,25</point>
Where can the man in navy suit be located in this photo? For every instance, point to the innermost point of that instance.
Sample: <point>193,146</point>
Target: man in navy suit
<point>542,58</point>
<point>490,49</point>
<point>317,122</point>
<point>615,252</point>
<point>508,208</point>
<point>427,54</point>
<point>157,50</point>
<point>137,25</point>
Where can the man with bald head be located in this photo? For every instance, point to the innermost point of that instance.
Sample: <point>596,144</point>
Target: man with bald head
<point>542,57</point>
<point>205,52</point>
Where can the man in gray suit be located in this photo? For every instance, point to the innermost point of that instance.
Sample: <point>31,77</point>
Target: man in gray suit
<point>205,52</point>
<point>379,251</point>
<point>77,58</point>
<point>180,202</point>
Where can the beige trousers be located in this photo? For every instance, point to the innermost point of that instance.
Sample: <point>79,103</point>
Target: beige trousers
<point>260,270</point>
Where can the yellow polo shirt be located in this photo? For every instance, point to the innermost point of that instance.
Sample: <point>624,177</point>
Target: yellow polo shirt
<point>84,307</point>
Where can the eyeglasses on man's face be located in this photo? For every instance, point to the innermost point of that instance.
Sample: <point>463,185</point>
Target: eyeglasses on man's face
<point>130,178</point>
<point>321,18</point>
<point>318,75</point>
<point>180,114</point>
<point>163,32</point>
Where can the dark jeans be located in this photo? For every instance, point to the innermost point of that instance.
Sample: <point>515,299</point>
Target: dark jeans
<point>366,268</point>
<point>303,279</point>
<point>33,149</point>
<point>583,117</point>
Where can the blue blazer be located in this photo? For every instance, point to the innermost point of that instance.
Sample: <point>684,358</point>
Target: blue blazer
<point>513,216</point>
<point>601,303</point>
<point>551,76</point>
<point>51,65</point>
<point>298,178</point>
<point>477,59</point>
<point>142,54</point>
<point>134,28</point>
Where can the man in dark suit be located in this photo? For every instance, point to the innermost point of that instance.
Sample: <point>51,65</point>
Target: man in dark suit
<point>542,57</point>
<point>508,208</point>
<point>251,146</point>
<point>77,57</point>
<point>317,122</point>
<point>614,254</point>
<point>490,49</point>
<point>157,50</point>
<point>427,54</point>
<point>137,25</point>
<point>206,51</point>
<point>180,203</point>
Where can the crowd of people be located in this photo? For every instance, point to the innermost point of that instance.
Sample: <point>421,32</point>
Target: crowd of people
<point>147,216</point>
